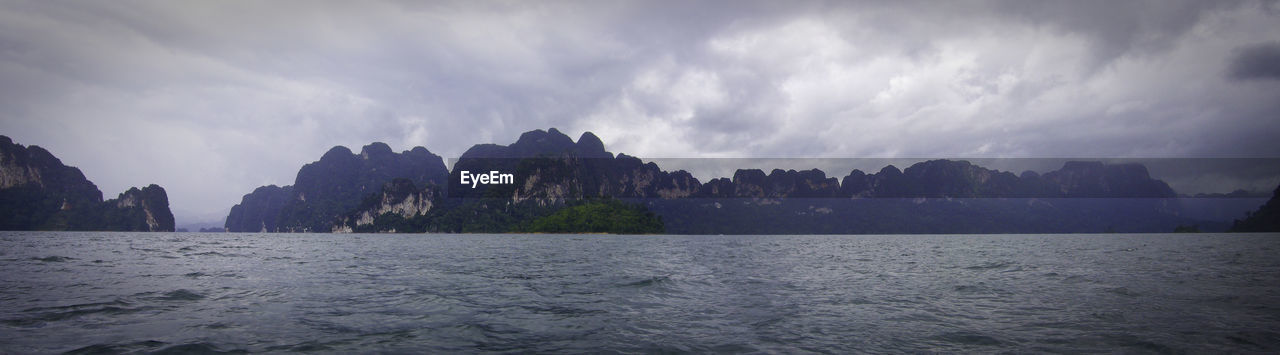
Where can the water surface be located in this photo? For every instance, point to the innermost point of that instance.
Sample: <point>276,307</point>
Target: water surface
<point>144,292</point>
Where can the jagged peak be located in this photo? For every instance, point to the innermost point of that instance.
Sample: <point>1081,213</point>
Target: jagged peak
<point>681,173</point>
<point>531,143</point>
<point>589,144</point>
<point>539,136</point>
<point>375,149</point>
<point>747,174</point>
<point>419,150</point>
<point>337,152</point>
<point>40,154</point>
<point>814,173</point>
<point>266,188</point>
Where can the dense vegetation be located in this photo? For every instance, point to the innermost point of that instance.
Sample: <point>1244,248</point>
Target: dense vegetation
<point>607,216</point>
<point>503,216</point>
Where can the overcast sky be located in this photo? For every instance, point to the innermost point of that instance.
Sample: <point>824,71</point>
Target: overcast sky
<point>211,99</point>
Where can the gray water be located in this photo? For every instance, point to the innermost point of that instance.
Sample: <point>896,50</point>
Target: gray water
<point>193,292</point>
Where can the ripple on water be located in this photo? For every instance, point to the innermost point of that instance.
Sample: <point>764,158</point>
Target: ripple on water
<point>991,265</point>
<point>54,259</point>
<point>214,253</point>
<point>775,294</point>
<point>181,295</point>
<point>1123,291</point>
<point>309,346</point>
<point>121,348</point>
<point>652,281</point>
<point>1135,342</point>
<point>198,348</point>
<point>38,317</point>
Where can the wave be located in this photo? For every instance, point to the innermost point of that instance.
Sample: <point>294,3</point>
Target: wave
<point>44,315</point>
<point>656,280</point>
<point>181,295</point>
<point>54,259</point>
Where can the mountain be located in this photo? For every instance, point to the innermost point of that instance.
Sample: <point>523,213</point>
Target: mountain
<point>543,180</point>
<point>961,179</point>
<point>38,192</point>
<point>1095,179</point>
<point>145,209</point>
<point>549,168</point>
<point>331,187</point>
<point>1265,219</point>
<point>551,171</point>
<point>259,211</point>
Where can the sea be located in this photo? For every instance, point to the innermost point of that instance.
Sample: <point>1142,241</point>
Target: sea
<point>98,292</point>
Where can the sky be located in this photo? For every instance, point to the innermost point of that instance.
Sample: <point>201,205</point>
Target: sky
<point>211,99</point>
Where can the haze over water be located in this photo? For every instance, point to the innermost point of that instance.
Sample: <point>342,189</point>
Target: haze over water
<point>125,292</point>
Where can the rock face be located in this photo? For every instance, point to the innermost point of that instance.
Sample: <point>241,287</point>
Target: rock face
<point>259,211</point>
<point>326,190</point>
<point>549,167</point>
<point>38,192</point>
<point>1095,179</point>
<point>780,183</point>
<point>140,210</point>
<point>399,197</point>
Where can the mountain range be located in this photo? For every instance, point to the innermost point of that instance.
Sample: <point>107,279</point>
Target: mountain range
<point>38,192</point>
<point>559,184</point>
<point>413,191</point>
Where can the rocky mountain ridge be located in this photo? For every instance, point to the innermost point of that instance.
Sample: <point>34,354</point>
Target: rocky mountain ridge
<point>551,169</point>
<point>39,192</point>
<point>555,168</point>
<point>331,187</point>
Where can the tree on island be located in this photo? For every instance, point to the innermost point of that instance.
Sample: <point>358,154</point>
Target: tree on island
<point>602,216</point>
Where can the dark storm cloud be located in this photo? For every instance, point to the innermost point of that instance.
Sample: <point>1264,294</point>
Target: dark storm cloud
<point>211,99</point>
<point>1261,61</point>
<point>1117,28</point>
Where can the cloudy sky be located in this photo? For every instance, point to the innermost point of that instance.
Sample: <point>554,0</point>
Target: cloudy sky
<point>211,99</point>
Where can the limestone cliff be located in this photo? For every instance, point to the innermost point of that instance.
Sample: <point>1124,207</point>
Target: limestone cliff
<point>326,190</point>
<point>400,197</point>
<point>39,192</point>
